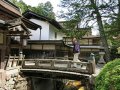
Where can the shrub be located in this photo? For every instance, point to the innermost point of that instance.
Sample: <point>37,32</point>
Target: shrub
<point>109,77</point>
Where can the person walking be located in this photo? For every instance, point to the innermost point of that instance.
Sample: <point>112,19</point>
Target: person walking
<point>76,51</point>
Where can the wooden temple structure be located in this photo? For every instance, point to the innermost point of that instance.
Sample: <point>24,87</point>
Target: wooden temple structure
<point>13,32</point>
<point>62,46</point>
<point>48,49</point>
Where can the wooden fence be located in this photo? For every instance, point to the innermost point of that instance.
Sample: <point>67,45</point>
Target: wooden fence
<point>13,61</point>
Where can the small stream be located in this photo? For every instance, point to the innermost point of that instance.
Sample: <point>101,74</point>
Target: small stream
<point>54,84</point>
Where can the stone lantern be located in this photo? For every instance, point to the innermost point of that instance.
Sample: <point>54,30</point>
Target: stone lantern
<point>101,60</point>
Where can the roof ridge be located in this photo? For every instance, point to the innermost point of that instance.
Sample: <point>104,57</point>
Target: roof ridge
<point>51,21</point>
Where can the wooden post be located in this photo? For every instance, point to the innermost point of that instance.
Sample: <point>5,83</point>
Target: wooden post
<point>13,60</point>
<point>52,63</point>
<point>23,63</point>
<point>2,58</point>
<point>22,60</point>
<point>9,61</point>
<point>69,64</point>
<point>36,63</point>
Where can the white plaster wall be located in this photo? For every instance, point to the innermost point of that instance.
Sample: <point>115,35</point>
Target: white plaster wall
<point>51,34</point>
<point>52,31</point>
<point>60,35</point>
<point>44,30</point>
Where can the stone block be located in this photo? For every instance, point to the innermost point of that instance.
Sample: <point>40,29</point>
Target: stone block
<point>8,77</point>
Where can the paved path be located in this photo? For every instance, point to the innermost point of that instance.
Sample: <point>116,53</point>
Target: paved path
<point>98,69</point>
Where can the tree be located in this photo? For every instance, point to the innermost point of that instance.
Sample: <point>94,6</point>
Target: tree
<point>45,9</point>
<point>112,29</point>
<point>71,29</point>
<point>42,9</point>
<point>97,11</point>
<point>22,6</point>
<point>13,1</point>
<point>113,33</point>
<point>48,8</point>
<point>101,29</point>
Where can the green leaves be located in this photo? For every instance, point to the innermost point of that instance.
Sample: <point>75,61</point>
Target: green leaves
<point>71,29</point>
<point>42,9</point>
<point>112,31</point>
<point>109,77</point>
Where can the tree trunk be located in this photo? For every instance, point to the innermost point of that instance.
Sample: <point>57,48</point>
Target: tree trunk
<point>101,29</point>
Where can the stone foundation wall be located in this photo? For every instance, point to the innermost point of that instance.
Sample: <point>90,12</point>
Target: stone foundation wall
<point>14,81</point>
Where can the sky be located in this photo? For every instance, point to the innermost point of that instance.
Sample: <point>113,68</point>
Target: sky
<point>36,2</point>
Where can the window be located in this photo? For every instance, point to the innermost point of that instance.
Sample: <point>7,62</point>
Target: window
<point>55,34</point>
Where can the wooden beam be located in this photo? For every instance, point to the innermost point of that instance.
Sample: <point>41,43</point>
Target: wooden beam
<point>16,32</point>
<point>54,74</point>
<point>18,35</point>
<point>9,8</point>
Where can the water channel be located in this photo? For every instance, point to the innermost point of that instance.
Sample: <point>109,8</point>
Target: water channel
<point>57,84</point>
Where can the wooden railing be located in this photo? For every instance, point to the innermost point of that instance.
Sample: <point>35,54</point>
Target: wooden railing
<point>13,61</point>
<point>60,65</point>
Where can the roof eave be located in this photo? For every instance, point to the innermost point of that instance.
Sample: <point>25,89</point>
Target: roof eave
<point>7,6</point>
<point>30,24</point>
<point>30,14</point>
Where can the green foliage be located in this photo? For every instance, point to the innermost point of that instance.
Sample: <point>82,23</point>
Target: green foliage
<point>13,1</point>
<point>42,9</point>
<point>109,77</point>
<point>73,15</point>
<point>22,5</point>
<point>93,10</point>
<point>114,52</point>
<point>71,29</point>
<point>112,31</point>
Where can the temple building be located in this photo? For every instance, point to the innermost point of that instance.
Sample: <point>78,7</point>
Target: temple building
<point>46,41</point>
<point>50,41</point>
<point>37,36</point>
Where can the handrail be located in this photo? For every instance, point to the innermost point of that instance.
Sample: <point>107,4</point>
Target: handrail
<point>13,61</point>
<point>61,65</point>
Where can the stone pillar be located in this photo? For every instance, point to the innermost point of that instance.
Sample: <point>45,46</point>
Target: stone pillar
<point>101,60</point>
<point>92,56</point>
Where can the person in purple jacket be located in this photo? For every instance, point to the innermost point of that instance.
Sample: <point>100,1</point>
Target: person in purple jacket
<point>76,51</point>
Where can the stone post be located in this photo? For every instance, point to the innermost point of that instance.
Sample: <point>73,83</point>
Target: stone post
<point>101,60</point>
<point>92,56</point>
